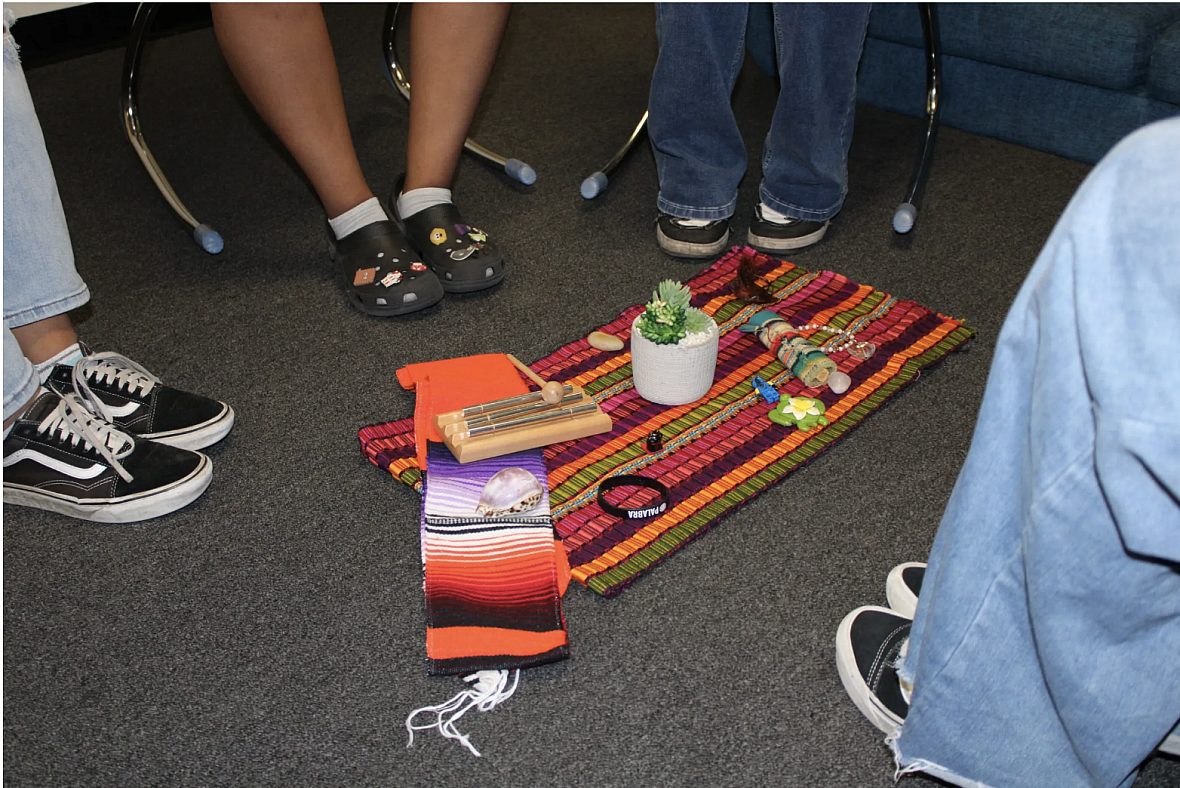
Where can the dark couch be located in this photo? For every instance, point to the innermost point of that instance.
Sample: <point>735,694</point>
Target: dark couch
<point>1067,78</point>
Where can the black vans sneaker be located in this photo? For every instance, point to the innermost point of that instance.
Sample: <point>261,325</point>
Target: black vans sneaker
<point>122,392</point>
<point>771,237</point>
<point>685,240</point>
<point>869,644</point>
<point>60,458</point>
<point>903,586</point>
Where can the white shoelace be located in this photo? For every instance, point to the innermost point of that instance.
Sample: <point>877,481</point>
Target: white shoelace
<point>488,689</point>
<point>72,421</point>
<point>114,369</point>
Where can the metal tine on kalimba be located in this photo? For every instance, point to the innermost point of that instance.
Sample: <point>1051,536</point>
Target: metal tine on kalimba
<point>508,402</point>
<point>550,414</point>
<point>571,399</point>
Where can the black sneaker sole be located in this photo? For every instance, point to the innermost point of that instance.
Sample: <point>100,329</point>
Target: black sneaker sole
<point>129,509</point>
<point>770,245</point>
<point>689,250</point>
<point>197,436</point>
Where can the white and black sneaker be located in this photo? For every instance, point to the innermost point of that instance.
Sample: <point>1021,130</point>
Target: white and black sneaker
<point>870,643</point>
<point>767,235</point>
<point>690,238</point>
<point>134,400</point>
<point>903,585</point>
<point>60,458</point>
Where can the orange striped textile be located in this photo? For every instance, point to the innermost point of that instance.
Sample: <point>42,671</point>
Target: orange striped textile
<point>721,451</point>
<point>493,584</point>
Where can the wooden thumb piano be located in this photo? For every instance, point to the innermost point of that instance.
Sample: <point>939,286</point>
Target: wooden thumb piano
<point>558,412</point>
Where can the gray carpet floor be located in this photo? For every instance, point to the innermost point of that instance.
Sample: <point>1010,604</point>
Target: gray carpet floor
<point>272,632</point>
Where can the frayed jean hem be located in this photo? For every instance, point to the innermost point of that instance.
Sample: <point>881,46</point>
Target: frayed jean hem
<point>910,765</point>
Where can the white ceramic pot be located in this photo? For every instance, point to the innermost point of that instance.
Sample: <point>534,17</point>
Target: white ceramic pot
<point>673,374</point>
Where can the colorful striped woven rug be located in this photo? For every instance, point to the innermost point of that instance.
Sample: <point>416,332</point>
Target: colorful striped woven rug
<point>722,451</point>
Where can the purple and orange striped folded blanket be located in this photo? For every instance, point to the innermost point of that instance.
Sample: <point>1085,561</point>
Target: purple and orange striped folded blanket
<point>493,584</point>
<point>721,451</point>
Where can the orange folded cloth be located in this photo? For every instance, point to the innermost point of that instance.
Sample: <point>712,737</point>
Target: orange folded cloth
<point>443,386</point>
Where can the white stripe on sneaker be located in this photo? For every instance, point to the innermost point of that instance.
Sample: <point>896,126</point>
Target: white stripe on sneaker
<point>124,410</point>
<point>72,471</point>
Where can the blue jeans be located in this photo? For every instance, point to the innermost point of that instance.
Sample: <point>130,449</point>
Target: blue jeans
<point>40,280</point>
<point>699,151</point>
<point>1046,645</point>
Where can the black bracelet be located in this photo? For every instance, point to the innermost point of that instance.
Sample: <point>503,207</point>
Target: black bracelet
<point>630,480</point>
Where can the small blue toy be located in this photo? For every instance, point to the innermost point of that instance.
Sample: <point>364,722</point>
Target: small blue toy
<point>767,391</point>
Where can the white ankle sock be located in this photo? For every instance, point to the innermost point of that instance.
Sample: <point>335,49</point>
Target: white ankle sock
<point>357,217</point>
<point>415,200</point>
<point>69,357</point>
<point>695,222</point>
<point>771,215</point>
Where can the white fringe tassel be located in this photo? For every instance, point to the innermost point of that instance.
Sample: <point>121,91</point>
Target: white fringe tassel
<point>489,688</point>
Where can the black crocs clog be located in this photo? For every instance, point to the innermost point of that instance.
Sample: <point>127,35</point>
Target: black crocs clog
<point>383,277</point>
<point>460,255</point>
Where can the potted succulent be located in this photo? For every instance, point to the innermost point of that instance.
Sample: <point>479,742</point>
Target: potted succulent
<point>673,348</point>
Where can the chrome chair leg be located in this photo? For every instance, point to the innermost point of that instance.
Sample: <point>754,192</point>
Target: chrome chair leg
<point>205,236</point>
<point>514,168</point>
<point>596,184</point>
<point>907,213</point>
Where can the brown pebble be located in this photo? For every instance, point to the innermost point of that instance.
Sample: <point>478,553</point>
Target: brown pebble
<point>604,341</point>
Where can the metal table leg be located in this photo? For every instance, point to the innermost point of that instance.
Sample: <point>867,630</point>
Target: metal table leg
<point>907,213</point>
<point>205,236</point>
<point>514,168</point>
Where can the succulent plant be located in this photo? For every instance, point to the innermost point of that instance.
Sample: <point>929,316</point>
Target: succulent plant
<point>668,317</point>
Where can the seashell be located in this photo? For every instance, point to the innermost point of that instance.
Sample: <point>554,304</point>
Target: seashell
<point>601,340</point>
<point>510,491</point>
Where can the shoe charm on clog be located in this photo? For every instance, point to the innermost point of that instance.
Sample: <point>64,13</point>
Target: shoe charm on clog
<point>802,412</point>
<point>417,266</point>
<point>463,252</point>
<point>392,278</point>
<point>473,233</point>
<point>364,276</point>
<point>438,236</point>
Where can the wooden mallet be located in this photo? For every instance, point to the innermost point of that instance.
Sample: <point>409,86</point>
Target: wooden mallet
<point>551,391</point>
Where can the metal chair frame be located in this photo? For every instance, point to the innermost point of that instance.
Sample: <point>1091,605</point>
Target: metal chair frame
<point>907,213</point>
<point>211,241</point>
<point>205,236</point>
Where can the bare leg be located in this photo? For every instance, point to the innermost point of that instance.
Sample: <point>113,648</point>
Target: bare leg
<point>452,50</point>
<point>41,340</point>
<point>282,58</point>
